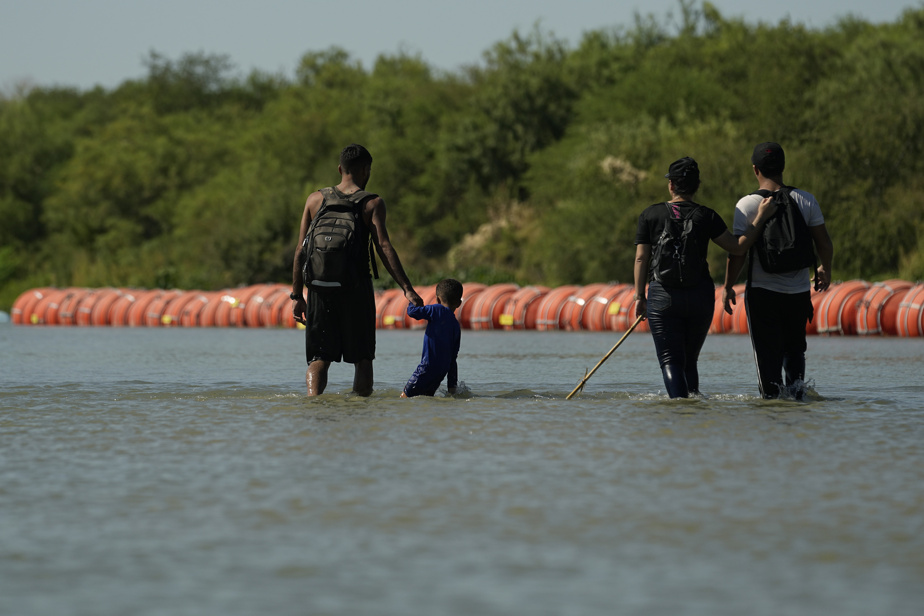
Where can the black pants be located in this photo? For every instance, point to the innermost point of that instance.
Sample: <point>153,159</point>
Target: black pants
<point>776,322</point>
<point>679,320</point>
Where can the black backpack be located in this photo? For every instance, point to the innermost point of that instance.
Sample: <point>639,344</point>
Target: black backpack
<point>333,254</point>
<point>676,259</point>
<point>785,243</point>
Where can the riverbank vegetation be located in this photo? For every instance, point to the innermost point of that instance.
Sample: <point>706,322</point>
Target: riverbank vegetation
<point>531,166</point>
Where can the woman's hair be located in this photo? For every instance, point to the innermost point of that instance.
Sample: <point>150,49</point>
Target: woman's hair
<point>684,173</point>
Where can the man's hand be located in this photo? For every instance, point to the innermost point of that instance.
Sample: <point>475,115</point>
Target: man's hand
<point>728,299</point>
<point>822,278</point>
<point>413,298</point>
<point>298,310</point>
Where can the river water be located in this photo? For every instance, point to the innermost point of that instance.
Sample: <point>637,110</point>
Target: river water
<point>183,471</point>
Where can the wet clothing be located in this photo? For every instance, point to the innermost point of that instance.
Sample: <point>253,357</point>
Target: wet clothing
<point>440,350</point>
<point>680,317</point>
<point>341,323</point>
<point>776,322</point>
<point>778,305</point>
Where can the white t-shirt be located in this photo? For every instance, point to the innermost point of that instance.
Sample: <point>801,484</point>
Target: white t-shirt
<point>791,282</point>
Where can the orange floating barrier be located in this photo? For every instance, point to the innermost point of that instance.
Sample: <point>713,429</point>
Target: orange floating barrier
<point>551,306</point>
<point>154,311</point>
<point>470,292</point>
<point>909,320</point>
<point>68,310</point>
<point>135,317</point>
<point>837,313</point>
<point>23,308</point>
<point>254,304</point>
<point>394,315</point>
<point>243,295</point>
<point>172,314</point>
<point>283,308</point>
<point>594,314</point>
<point>521,308</point>
<point>718,320</point>
<point>382,299</point>
<point>573,308</point>
<point>192,309</point>
<point>617,313</point>
<point>878,308</point>
<point>45,311</point>
<point>100,314</point>
<point>84,315</point>
<point>490,304</point>
<point>269,308</point>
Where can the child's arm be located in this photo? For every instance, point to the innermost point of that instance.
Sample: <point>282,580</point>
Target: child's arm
<point>452,379</point>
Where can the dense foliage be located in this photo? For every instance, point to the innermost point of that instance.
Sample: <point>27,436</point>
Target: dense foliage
<point>530,167</point>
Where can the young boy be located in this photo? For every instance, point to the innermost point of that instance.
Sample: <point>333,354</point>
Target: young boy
<point>441,342</point>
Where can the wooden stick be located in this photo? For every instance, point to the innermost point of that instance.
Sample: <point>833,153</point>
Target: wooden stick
<point>605,357</point>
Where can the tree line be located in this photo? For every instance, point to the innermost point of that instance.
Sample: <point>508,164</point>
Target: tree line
<point>530,166</point>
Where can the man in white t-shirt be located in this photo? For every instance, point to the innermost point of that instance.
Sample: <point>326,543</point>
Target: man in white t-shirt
<point>778,305</point>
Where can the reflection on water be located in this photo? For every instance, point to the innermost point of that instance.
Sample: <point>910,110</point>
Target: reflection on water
<point>180,472</point>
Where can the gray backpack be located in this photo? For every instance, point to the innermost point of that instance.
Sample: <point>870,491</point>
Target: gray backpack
<point>333,252</point>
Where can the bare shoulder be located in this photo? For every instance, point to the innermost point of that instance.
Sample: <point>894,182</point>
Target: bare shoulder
<point>313,202</point>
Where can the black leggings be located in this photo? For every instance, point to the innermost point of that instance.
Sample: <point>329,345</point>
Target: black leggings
<point>776,322</point>
<point>679,319</point>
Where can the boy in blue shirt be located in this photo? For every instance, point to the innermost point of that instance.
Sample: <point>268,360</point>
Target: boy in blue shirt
<point>441,342</point>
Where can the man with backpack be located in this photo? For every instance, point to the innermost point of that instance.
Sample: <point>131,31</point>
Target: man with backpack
<point>334,265</point>
<point>778,298</point>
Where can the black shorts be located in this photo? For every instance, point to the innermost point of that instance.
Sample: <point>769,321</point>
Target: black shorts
<point>341,324</point>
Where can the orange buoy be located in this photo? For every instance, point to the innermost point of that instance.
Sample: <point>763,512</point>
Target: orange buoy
<point>254,306</point>
<point>382,299</point>
<point>470,292</point>
<point>521,307</point>
<point>617,313</point>
<point>136,312</point>
<point>573,310</point>
<point>118,312</point>
<point>100,312</point>
<point>243,295</point>
<point>909,319</point>
<point>594,314</point>
<point>222,314</point>
<point>22,310</point>
<point>98,302</point>
<point>490,304</point>
<point>192,308</point>
<point>718,320</point>
<point>154,312</point>
<point>551,306</point>
<point>68,310</point>
<point>45,311</point>
<point>838,310</point>
<point>269,309</point>
<point>394,313</point>
<point>879,307</point>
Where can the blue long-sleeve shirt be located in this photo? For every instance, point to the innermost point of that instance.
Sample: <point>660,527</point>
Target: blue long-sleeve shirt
<point>440,349</point>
